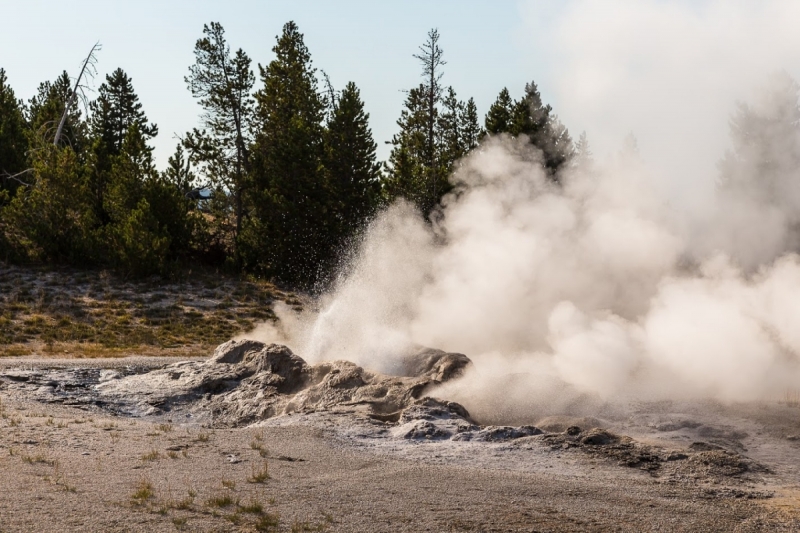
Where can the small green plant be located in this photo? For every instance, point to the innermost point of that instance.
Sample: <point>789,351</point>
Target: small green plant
<point>179,522</point>
<point>229,484</point>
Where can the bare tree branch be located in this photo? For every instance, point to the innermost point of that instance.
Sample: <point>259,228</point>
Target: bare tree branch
<point>88,63</point>
<point>15,177</point>
<point>329,88</point>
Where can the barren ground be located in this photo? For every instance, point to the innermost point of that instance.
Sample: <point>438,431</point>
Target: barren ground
<point>76,466</point>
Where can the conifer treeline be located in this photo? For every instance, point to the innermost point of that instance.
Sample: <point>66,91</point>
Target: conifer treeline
<point>278,180</point>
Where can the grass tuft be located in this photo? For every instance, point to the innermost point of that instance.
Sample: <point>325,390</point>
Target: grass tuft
<point>223,500</point>
<point>144,491</point>
<point>260,475</point>
<point>267,522</point>
<point>152,455</point>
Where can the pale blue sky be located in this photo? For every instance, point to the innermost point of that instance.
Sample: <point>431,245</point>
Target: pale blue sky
<point>368,42</point>
<point>670,71</point>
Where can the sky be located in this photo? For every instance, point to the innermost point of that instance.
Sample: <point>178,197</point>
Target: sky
<point>370,43</point>
<point>670,72</point>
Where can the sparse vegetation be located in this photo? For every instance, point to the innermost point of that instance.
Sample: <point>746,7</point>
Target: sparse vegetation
<point>257,445</point>
<point>301,527</point>
<point>259,475</point>
<point>221,500</point>
<point>38,459</point>
<point>152,455</point>
<point>791,398</point>
<point>267,522</point>
<point>252,507</point>
<point>96,314</point>
<point>144,491</point>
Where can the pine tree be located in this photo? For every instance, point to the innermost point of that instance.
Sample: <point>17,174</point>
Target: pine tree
<point>430,136</point>
<point>45,110</point>
<point>583,153</point>
<point>287,235</point>
<point>763,164</point>
<point>406,173</point>
<point>13,140</point>
<point>530,117</point>
<point>450,131</point>
<point>115,111</point>
<point>498,119</point>
<point>223,83</point>
<point>136,239</point>
<point>170,196</point>
<point>431,58</point>
<point>459,133</point>
<point>52,221</point>
<point>471,131</point>
<point>352,169</point>
<point>179,172</point>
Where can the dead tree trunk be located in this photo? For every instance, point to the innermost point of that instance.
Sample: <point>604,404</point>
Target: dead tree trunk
<point>88,62</point>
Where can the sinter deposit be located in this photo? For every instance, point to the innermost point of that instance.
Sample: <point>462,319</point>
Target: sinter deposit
<point>247,381</point>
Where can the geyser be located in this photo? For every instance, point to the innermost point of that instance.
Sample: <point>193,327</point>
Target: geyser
<point>603,286</point>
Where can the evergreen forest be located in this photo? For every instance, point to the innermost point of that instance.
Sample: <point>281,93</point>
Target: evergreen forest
<point>277,182</point>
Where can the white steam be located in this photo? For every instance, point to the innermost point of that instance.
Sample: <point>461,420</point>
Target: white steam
<point>602,287</point>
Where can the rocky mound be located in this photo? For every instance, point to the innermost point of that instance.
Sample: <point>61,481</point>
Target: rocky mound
<point>246,381</point>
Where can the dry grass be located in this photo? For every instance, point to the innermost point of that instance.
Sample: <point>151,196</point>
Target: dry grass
<point>71,313</point>
<point>152,455</point>
<point>791,398</point>
<point>143,492</point>
<point>260,475</point>
<point>223,500</point>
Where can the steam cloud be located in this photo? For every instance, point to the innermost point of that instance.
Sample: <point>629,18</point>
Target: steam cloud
<point>601,288</point>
